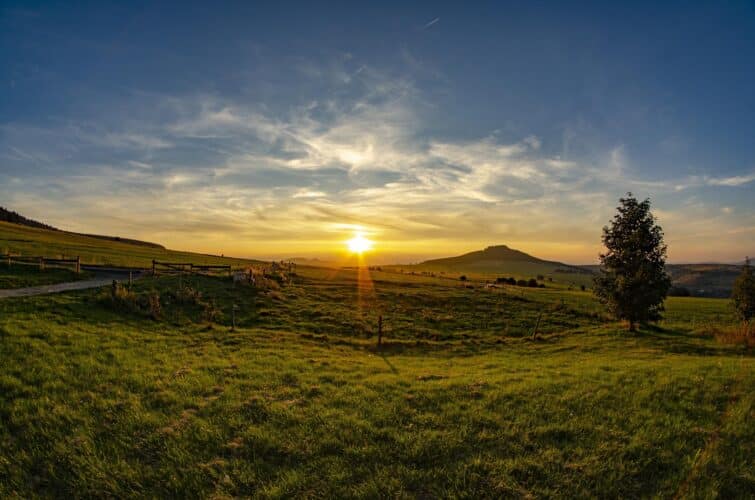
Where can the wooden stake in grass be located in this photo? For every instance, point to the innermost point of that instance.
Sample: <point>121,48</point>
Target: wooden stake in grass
<point>78,265</point>
<point>380,331</point>
<point>233,317</point>
<point>537,325</point>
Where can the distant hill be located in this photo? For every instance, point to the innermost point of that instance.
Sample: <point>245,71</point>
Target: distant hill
<point>16,218</point>
<point>502,260</point>
<point>705,280</point>
<point>315,262</point>
<point>700,280</point>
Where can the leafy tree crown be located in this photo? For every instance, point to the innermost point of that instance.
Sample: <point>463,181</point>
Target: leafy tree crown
<point>633,282</point>
<point>743,293</point>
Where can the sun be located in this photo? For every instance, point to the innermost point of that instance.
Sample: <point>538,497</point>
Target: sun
<point>359,244</point>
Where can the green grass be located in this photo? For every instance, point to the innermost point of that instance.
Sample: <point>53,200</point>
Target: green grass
<point>54,244</point>
<point>100,400</point>
<point>20,276</point>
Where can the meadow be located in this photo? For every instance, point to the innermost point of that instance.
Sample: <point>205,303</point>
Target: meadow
<point>103,396</point>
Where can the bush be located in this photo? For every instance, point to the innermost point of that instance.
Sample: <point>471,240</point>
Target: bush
<point>738,334</point>
<point>521,283</point>
<point>154,309</point>
<point>211,312</point>
<point>532,283</point>
<point>463,277</point>
<point>743,293</point>
<point>118,297</point>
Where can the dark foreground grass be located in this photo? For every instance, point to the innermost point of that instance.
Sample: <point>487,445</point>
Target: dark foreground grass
<point>100,401</point>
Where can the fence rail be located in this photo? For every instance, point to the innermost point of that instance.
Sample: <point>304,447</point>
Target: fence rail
<point>182,267</point>
<point>42,261</point>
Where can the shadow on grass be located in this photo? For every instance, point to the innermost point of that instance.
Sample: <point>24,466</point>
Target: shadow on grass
<point>679,342</point>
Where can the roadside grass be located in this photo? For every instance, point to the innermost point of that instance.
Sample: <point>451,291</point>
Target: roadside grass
<point>21,276</point>
<point>101,400</point>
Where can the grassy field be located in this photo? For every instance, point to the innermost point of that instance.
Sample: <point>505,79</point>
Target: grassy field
<point>103,397</point>
<point>29,241</point>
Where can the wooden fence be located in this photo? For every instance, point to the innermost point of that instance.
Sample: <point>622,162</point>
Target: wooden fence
<point>43,262</point>
<point>185,267</point>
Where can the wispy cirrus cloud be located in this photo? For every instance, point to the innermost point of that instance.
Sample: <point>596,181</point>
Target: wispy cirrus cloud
<point>431,23</point>
<point>214,173</point>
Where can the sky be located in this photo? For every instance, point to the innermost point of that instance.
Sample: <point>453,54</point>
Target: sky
<point>279,130</point>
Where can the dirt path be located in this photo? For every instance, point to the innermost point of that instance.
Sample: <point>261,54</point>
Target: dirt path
<point>59,287</point>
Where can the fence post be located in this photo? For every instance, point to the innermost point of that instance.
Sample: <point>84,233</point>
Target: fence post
<point>153,267</point>
<point>380,331</point>
<point>41,263</point>
<point>78,264</point>
<point>537,325</point>
<point>9,259</point>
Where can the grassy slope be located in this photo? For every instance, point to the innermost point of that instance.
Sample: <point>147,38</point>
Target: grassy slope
<point>297,401</point>
<point>33,241</point>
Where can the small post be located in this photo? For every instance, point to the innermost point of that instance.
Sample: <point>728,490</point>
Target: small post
<point>233,318</point>
<point>8,259</point>
<point>153,267</point>
<point>537,325</point>
<point>380,331</point>
<point>114,289</point>
<point>130,279</point>
<point>78,264</point>
<point>41,263</point>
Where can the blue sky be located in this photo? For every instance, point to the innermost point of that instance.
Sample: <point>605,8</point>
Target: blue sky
<point>279,130</point>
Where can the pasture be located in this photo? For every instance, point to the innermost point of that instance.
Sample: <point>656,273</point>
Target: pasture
<point>101,398</point>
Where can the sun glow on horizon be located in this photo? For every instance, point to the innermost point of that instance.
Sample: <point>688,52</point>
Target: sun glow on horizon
<point>359,244</point>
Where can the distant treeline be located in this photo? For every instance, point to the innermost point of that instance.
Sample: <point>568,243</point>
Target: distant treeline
<point>16,218</point>
<point>532,282</point>
<point>123,240</point>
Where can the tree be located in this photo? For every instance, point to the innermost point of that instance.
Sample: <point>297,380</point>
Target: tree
<point>633,282</point>
<point>743,293</point>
